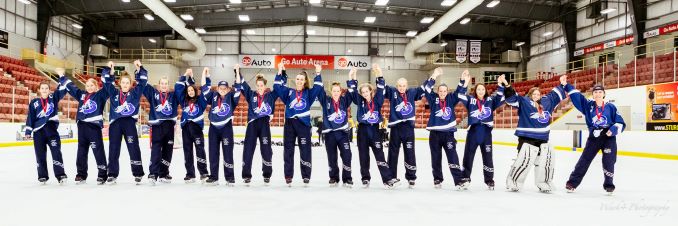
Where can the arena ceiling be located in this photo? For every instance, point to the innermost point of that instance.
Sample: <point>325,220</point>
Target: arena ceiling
<point>509,19</point>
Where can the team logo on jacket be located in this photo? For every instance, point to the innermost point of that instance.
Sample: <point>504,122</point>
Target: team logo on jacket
<point>165,109</point>
<point>599,122</point>
<point>545,117</point>
<point>337,117</point>
<point>371,117</point>
<point>222,110</point>
<point>481,114</point>
<point>264,110</point>
<point>404,109</point>
<point>47,112</point>
<point>446,115</point>
<point>193,112</point>
<point>298,105</point>
<point>88,107</point>
<point>126,109</point>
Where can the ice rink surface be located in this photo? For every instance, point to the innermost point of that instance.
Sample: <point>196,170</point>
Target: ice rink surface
<point>647,194</point>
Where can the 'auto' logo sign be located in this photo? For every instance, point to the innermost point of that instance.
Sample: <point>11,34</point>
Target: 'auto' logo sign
<point>247,61</point>
<point>350,62</point>
<point>256,62</point>
<point>353,63</point>
<point>343,62</point>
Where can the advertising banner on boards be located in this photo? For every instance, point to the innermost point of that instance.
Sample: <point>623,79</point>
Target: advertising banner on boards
<point>662,107</point>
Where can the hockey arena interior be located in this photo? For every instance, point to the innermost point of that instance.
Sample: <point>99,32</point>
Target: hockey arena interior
<point>338,112</point>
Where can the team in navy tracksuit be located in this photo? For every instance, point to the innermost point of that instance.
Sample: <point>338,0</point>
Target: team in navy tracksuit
<point>192,123</point>
<point>42,122</point>
<point>533,136</point>
<point>297,122</point>
<point>401,122</point>
<point>259,113</point>
<point>481,122</point>
<point>221,128</point>
<point>442,125</point>
<point>123,115</point>
<point>162,118</point>
<point>369,117</point>
<point>335,129</point>
<point>604,123</point>
<point>90,121</point>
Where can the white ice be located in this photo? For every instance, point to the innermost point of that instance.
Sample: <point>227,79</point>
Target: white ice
<point>647,194</point>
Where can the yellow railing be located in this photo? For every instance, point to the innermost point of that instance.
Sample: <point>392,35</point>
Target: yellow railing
<point>144,54</point>
<point>77,70</point>
<point>29,54</point>
<point>117,54</point>
<point>44,60</point>
<point>48,73</point>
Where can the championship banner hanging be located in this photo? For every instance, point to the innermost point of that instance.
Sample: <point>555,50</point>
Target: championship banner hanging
<point>662,107</point>
<point>475,51</point>
<point>461,50</point>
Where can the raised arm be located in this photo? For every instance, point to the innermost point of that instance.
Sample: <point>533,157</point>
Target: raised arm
<point>322,100</point>
<point>498,99</point>
<point>383,91</point>
<point>60,91</point>
<point>237,87</point>
<point>387,91</point>
<point>462,88</point>
<point>348,97</point>
<point>379,95</point>
<point>201,101</point>
<point>190,80</point>
<point>180,86</point>
<point>73,90</point>
<point>142,76</point>
<point>206,93</point>
<point>419,91</point>
<point>429,85</point>
<point>246,89</point>
<point>556,95</point>
<point>279,84</point>
<point>512,98</point>
<point>109,79</point>
<point>353,91</point>
<point>318,88</point>
<point>579,101</point>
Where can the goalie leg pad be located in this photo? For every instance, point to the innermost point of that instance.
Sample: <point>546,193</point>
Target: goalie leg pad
<point>521,166</point>
<point>544,168</point>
